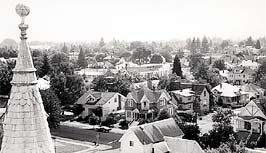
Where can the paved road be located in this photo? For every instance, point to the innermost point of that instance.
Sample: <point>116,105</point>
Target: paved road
<point>86,135</point>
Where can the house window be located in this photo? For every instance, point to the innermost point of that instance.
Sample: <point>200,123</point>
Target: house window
<point>115,100</point>
<point>162,102</point>
<point>131,143</point>
<point>130,103</point>
<point>170,110</point>
<point>128,114</point>
<point>145,103</point>
<point>204,93</point>
<point>247,125</point>
<point>189,98</point>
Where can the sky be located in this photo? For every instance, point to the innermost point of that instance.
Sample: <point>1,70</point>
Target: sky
<point>145,20</point>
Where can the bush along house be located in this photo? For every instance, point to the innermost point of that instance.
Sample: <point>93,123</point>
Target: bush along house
<point>145,103</point>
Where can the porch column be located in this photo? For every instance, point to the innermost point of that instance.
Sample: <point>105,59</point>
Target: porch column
<point>251,126</point>
<point>261,128</point>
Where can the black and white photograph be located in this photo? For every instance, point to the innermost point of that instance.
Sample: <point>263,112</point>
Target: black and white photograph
<point>133,76</point>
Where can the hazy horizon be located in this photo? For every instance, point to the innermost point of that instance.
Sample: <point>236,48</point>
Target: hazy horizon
<point>144,20</point>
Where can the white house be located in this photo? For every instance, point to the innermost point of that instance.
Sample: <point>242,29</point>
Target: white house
<point>109,102</point>
<point>253,91</point>
<point>184,98</point>
<point>250,122</point>
<point>250,64</point>
<point>241,75</point>
<point>158,137</point>
<point>229,95</point>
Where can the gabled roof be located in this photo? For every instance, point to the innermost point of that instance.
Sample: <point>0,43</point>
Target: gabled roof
<point>197,88</point>
<point>249,87</point>
<point>253,110</point>
<point>152,95</point>
<point>178,145</point>
<point>226,90</point>
<point>157,131</point>
<point>100,97</point>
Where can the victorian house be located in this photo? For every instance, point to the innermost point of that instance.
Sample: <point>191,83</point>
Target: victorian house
<point>146,103</point>
<point>241,75</point>
<point>250,122</point>
<point>193,97</point>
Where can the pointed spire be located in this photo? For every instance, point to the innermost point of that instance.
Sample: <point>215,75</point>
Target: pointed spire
<point>25,124</point>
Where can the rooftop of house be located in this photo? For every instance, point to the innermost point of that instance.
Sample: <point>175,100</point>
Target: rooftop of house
<point>254,109</point>
<point>249,87</point>
<point>228,90</point>
<point>157,131</point>
<point>152,95</point>
<point>100,98</point>
<point>184,92</point>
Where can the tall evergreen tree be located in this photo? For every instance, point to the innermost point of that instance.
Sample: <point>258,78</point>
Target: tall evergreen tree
<point>198,44</point>
<point>249,42</point>
<point>177,67</point>
<point>258,46</point>
<point>51,105</point>
<point>205,45</point>
<point>45,69</point>
<point>82,62</point>
<point>101,43</point>
<point>193,46</point>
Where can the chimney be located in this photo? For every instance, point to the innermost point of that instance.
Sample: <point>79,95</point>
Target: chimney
<point>149,84</point>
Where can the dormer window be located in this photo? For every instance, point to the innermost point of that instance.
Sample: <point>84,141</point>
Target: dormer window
<point>162,102</point>
<point>130,103</point>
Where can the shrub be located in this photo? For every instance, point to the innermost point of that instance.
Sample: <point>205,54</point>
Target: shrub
<point>123,124</point>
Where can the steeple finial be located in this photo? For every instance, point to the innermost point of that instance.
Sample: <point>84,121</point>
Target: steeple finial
<point>23,11</point>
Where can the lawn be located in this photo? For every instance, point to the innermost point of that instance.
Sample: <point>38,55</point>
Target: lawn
<point>65,147</point>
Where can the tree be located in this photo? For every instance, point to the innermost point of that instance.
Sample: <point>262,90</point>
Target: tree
<point>112,84</point>
<point>141,55</point>
<point>100,57</point>
<point>224,44</point>
<point>261,72</point>
<point>205,45</point>
<point>198,44</point>
<point>51,105</point>
<point>195,61</point>
<point>222,128</point>
<point>156,59</point>
<point>38,62</point>
<point>65,50</point>
<point>249,41</point>
<point>167,56</point>
<point>191,131</point>
<point>257,45</point>
<point>219,64</point>
<point>101,43</point>
<point>201,72</point>
<point>60,63</point>
<point>6,75</point>
<point>177,67</point>
<point>193,46</point>
<point>163,114</point>
<point>82,62</point>
<point>45,68</point>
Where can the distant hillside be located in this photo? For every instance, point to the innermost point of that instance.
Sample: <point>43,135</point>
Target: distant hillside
<point>9,43</point>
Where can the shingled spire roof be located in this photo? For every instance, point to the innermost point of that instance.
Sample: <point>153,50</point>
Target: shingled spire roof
<point>25,126</point>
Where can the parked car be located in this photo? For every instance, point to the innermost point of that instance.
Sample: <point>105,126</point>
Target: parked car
<point>103,129</point>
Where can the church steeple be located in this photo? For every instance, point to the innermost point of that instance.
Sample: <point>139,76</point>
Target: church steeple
<point>25,124</point>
